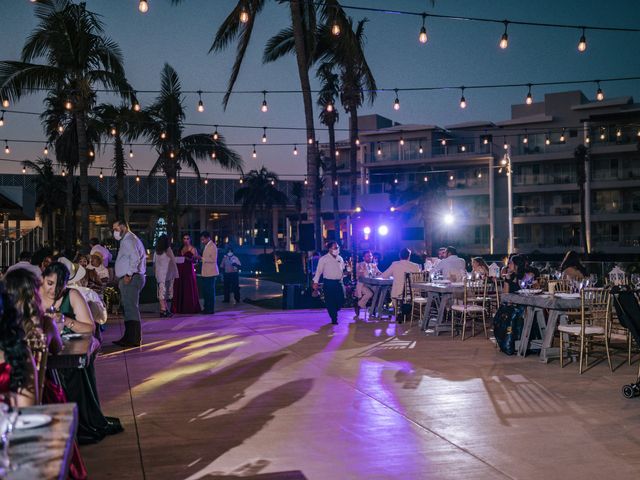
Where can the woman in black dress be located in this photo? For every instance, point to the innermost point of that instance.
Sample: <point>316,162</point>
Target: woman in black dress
<point>79,384</point>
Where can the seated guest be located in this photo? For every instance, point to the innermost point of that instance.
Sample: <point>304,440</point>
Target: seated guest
<point>397,270</point>
<point>572,268</point>
<point>25,262</point>
<point>17,370</point>
<point>24,289</point>
<point>479,267</point>
<point>96,247</point>
<point>365,269</point>
<point>515,274</point>
<point>451,266</point>
<point>96,264</point>
<point>90,279</point>
<point>79,384</point>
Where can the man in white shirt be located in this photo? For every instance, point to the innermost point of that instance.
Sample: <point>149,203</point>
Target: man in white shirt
<point>209,272</point>
<point>230,267</point>
<point>331,268</point>
<point>25,263</point>
<point>365,269</point>
<point>96,247</point>
<point>130,269</point>
<point>398,271</point>
<point>451,266</point>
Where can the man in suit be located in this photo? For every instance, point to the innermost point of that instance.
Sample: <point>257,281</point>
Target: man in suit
<point>210,272</point>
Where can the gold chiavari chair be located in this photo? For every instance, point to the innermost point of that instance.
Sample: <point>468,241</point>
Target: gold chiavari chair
<point>595,309</point>
<point>473,307</point>
<point>418,301</point>
<point>40,351</point>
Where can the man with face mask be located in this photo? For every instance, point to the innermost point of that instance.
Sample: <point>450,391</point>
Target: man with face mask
<point>230,267</point>
<point>131,265</point>
<point>331,268</point>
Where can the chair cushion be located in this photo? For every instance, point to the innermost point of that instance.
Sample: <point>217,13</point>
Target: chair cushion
<point>575,329</point>
<point>467,308</point>
<point>419,300</point>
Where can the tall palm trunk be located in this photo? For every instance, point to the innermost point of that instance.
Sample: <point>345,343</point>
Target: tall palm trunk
<point>353,155</point>
<point>120,175</point>
<point>69,214</point>
<point>172,197</point>
<point>303,62</point>
<point>83,160</point>
<point>334,177</point>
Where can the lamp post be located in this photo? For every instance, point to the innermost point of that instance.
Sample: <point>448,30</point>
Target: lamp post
<point>507,158</point>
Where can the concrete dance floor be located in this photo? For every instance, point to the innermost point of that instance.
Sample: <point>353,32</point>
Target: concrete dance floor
<point>263,394</point>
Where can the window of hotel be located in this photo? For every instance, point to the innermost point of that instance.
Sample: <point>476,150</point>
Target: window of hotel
<point>607,201</point>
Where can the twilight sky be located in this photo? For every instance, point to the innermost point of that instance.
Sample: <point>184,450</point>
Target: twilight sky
<point>458,53</point>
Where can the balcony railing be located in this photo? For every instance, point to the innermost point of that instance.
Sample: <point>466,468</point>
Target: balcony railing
<point>551,210</point>
<point>544,178</point>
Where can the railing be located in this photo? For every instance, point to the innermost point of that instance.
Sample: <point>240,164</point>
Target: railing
<point>543,179</point>
<point>11,248</point>
<point>552,210</point>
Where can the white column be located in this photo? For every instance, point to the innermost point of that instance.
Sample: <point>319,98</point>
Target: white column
<point>491,206</point>
<point>510,248</point>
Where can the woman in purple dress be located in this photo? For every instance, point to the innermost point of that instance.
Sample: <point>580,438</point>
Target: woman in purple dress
<point>185,288</point>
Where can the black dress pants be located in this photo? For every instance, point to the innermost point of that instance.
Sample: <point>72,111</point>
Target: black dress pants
<point>231,285</point>
<point>333,298</point>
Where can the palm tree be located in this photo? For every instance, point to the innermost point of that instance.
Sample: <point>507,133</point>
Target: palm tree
<point>79,58</point>
<point>48,186</point>
<point>175,150</point>
<point>581,156</point>
<point>123,125</point>
<point>329,91</point>
<point>303,25</point>
<point>259,194</point>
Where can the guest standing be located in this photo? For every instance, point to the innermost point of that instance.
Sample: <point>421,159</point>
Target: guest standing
<point>331,268</point>
<point>131,266</point>
<point>210,272</point>
<point>186,298</point>
<point>365,269</point>
<point>230,267</point>
<point>166,272</point>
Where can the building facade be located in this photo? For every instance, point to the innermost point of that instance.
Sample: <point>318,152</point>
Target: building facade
<point>469,167</point>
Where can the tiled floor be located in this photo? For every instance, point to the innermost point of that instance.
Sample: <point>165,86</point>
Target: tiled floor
<point>252,393</point>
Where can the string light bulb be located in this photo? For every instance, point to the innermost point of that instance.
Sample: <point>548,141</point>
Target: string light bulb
<point>426,179</point>
<point>420,149</point>
<point>463,148</point>
<point>582,43</point>
<point>244,15</point>
<point>337,152</point>
<point>63,173</point>
<point>200,102</point>
<point>60,128</point>
<point>504,40</point>
<point>216,135</point>
<point>335,29</point>
<point>463,101</point>
<point>5,102</point>
<point>451,177</point>
<point>479,174</point>
<point>618,133</point>
<point>422,36</point>
<point>264,108</point>
<point>7,150</point>
<point>366,180</point>
<point>136,105</point>
<point>443,142</point>
<point>587,140</point>
<point>113,131</point>
<point>525,139</point>
<point>163,135</point>
<point>91,154</point>
<point>143,6</point>
<point>602,135</point>
<point>295,150</point>
<point>264,135</point>
<point>241,180</point>
<point>310,140</point>
<point>357,140</point>
<point>137,176</point>
<point>101,176</point>
<point>173,180</point>
<point>529,99</point>
<point>2,119</point>
<point>206,181</point>
<point>329,106</point>
<point>505,145</point>
<point>213,155</point>
<point>396,102</point>
<point>562,135</point>
<point>130,151</point>
<point>395,180</point>
<point>46,149</point>
<point>254,154</point>
<point>24,169</point>
<point>306,182</point>
<point>68,105</point>
<point>171,154</point>
<point>379,150</point>
<point>547,140</point>
<point>335,182</point>
<point>273,182</point>
<point>401,140</point>
<point>599,92</point>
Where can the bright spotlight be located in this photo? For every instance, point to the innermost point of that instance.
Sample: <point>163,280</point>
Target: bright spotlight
<point>383,230</point>
<point>448,219</point>
<point>367,230</point>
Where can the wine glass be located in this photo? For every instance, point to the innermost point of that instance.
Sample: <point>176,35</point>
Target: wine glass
<point>8,419</point>
<point>593,279</point>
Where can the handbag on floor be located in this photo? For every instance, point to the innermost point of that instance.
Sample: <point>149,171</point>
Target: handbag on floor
<point>507,327</point>
<point>405,302</point>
